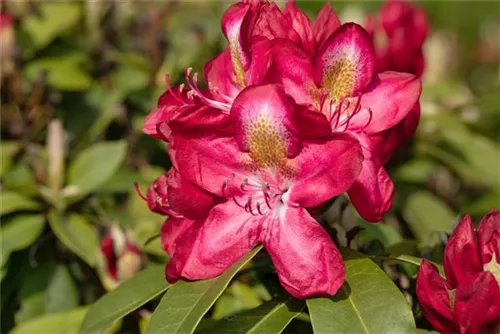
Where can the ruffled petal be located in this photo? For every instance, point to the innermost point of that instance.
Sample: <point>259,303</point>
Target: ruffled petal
<point>307,261</point>
<point>188,199</point>
<point>172,229</point>
<point>488,234</point>
<point>211,160</point>
<point>477,305</point>
<point>261,58</point>
<point>434,296</point>
<point>373,191</point>
<point>302,25</point>
<point>220,76</point>
<point>386,101</point>
<point>211,246</point>
<point>271,24</point>
<point>264,125</point>
<point>325,25</point>
<point>387,142</point>
<point>462,262</point>
<point>325,169</point>
<point>346,62</point>
<point>294,69</point>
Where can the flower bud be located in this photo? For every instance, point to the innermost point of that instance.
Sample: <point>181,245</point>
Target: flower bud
<point>120,258</point>
<point>468,301</point>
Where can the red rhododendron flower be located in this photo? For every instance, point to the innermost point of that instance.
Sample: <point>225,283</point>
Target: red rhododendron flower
<point>399,32</point>
<point>268,176</point>
<point>468,301</point>
<point>341,83</point>
<point>120,258</point>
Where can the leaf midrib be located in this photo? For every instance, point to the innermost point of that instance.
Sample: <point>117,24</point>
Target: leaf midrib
<point>349,297</point>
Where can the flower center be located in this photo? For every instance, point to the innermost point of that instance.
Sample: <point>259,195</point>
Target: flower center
<point>258,197</point>
<point>266,145</point>
<point>237,64</point>
<point>339,78</point>
<point>493,267</point>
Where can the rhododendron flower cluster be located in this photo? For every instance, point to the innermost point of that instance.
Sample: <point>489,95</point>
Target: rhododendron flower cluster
<point>294,114</point>
<point>468,301</point>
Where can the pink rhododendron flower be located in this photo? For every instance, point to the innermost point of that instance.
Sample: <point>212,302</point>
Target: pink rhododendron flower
<point>342,85</point>
<point>120,258</point>
<point>399,31</point>
<point>468,301</point>
<point>268,175</point>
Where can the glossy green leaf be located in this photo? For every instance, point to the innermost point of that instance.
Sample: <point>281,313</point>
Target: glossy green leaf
<point>12,201</point>
<point>77,234</point>
<point>129,296</point>
<point>54,19</point>
<point>386,234</point>
<point>183,306</point>
<point>57,323</point>
<point>427,214</point>
<point>369,302</point>
<point>94,166</point>
<point>19,232</point>
<point>62,293</point>
<point>270,317</point>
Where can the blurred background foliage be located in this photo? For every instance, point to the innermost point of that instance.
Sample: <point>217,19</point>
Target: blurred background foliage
<point>77,80</point>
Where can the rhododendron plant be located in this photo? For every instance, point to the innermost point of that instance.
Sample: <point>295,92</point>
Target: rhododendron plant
<point>292,117</point>
<point>468,300</point>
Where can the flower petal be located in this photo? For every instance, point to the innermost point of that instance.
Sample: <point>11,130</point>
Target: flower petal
<point>346,62</point>
<point>325,169</point>
<point>386,101</point>
<point>373,191</point>
<point>264,125</point>
<point>434,296</point>
<point>220,76</point>
<point>210,160</point>
<point>307,261</point>
<point>302,25</point>
<point>236,22</point>
<point>387,142</point>
<point>325,25</point>
<point>477,305</point>
<point>462,260</point>
<point>188,199</point>
<point>211,246</point>
<point>488,234</point>
<point>261,58</point>
<point>171,231</point>
<point>271,24</point>
<point>294,69</point>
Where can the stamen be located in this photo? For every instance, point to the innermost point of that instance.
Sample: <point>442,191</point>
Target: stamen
<point>138,190</point>
<point>193,85</point>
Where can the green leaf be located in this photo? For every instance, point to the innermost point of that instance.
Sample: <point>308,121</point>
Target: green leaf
<point>9,149</point>
<point>426,214</point>
<point>55,18</point>
<point>368,302</point>
<point>62,292</point>
<point>57,323</point>
<point>94,166</point>
<point>386,234</point>
<point>270,317</point>
<point>64,72</point>
<point>77,234</point>
<point>183,306</point>
<point>129,296</point>
<point>18,233</point>
<point>12,201</point>
<point>236,298</point>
